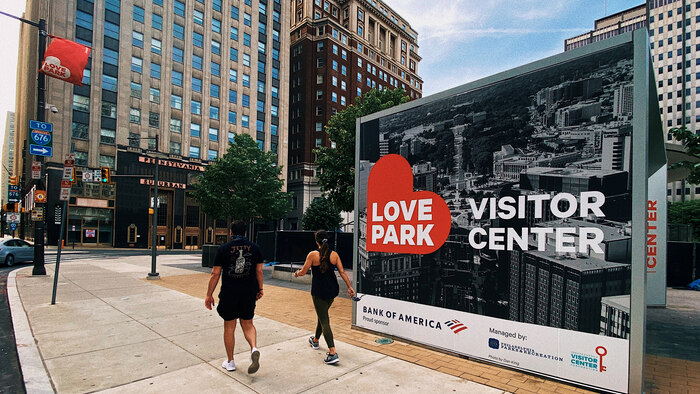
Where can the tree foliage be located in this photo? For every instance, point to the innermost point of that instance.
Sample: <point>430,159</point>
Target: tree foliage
<point>321,215</point>
<point>244,183</point>
<point>691,142</point>
<point>336,166</point>
<point>686,212</point>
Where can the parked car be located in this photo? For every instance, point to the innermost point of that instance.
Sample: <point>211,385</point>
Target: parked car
<point>15,251</point>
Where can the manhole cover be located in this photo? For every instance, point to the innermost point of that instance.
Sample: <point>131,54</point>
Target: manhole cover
<point>384,341</point>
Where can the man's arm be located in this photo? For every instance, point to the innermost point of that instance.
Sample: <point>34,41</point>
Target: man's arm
<point>259,274</point>
<point>213,281</point>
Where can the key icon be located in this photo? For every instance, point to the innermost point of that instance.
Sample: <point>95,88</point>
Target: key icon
<point>601,351</point>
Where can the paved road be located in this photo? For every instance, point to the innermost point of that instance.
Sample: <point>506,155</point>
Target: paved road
<point>10,373</point>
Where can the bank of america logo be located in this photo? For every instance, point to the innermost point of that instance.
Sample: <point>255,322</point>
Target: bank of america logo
<point>455,326</point>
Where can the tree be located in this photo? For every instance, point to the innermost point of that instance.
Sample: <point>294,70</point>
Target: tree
<point>244,183</point>
<point>336,175</point>
<point>321,215</point>
<point>686,212</point>
<point>691,142</point>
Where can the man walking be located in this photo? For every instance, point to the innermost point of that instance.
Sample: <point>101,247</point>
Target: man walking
<point>239,263</point>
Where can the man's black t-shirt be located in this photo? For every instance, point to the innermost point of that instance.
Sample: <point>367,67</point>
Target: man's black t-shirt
<point>238,260</point>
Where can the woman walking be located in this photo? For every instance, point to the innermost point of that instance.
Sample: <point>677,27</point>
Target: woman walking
<point>324,289</point>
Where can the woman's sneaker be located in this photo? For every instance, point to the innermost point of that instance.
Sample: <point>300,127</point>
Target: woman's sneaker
<point>312,343</point>
<point>228,365</point>
<point>331,358</point>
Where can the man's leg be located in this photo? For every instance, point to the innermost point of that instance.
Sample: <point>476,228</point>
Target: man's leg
<point>229,337</point>
<point>249,332</point>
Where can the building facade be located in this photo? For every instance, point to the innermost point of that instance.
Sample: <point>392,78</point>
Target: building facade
<point>339,50</point>
<point>8,154</point>
<point>674,35</point>
<point>191,72</point>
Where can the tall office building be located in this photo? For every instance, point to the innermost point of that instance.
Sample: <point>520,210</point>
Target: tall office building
<point>191,72</point>
<point>674,33</point>
<point>339,50</point>
<point>8,154</point>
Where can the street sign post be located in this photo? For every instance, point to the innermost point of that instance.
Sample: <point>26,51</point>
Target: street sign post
<point>13,193</point>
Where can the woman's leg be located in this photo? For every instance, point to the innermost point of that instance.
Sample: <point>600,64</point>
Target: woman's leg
<point>322,307</point>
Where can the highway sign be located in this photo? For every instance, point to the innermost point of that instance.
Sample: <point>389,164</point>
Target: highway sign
<point>13,226</point>
<point>12,217</point>
<point>40,150</point>
<point>36,125</point>
<point>41,137</point>
<point>87,176</point>
<point>13,193</point>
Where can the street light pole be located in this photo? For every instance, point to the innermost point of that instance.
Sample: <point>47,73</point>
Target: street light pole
<point>154,241</point>
<point>39,268</point>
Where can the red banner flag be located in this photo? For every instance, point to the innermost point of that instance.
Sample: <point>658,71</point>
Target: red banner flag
<point>66,60</point>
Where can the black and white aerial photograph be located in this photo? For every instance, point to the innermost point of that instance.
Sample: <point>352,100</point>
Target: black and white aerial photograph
<point>551,147</point>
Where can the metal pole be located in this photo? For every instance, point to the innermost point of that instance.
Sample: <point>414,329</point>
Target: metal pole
<point>39,268</point>
<point>154,242</point>
<point>58,254</point>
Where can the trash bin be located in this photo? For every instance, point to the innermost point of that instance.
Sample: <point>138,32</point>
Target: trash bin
<point>208,255</point>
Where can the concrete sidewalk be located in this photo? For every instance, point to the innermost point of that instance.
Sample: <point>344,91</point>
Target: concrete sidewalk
<point>112,330</point>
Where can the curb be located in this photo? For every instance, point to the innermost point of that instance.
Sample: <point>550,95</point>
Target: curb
<point>36,378</point>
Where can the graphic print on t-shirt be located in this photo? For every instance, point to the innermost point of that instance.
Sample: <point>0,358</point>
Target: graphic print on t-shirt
<point>240,261</point>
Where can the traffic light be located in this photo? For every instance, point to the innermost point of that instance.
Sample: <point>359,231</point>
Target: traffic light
<point>105,177</point>
<point>73,177</point>
<point>9,207</point>
<point>13,180</point>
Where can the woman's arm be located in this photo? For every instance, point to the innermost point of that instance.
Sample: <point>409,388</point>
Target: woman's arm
<point>335,259</point>
<point>307,265</point>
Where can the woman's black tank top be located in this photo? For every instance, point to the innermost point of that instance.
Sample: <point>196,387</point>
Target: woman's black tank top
<point>324,285</point>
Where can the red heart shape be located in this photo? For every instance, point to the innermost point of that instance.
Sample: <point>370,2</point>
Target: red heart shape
<point>400,220</point>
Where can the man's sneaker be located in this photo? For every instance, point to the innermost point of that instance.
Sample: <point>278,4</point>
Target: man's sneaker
<point>254,361</point>
<point>228,365</point>
<point>312,343</point>
<point>331,358</point>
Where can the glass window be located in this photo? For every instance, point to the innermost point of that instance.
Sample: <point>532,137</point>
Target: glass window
<point>213,134</point>
<point>234,33</point>
<point>197,62</point>
<point>214,112</point>
<point>232,117</point>
<point>135,115</point>
<point>234,12</point>
<point>195,129</point>
<point>194,152</point>
<point>196,84</point>
<point>135,90</point>
<point>199,17</point>
<point>260,126</point>
<point>106,161</point>
<point>176,125</point>
<point>154,119</point>
<point>156,46</point>
<point>179,8</point>
<point>275,92</point>
<point>109,83</point>
<point>84,20</point>
<point>215,47</point>
<point>196,107</point>
<point>245,121</point>
<point>246,39</point>
<point>155,70</point>
<point>233,54</point>
<point>107,137</point>
<point>154,95</point>
<point>138,14</point>
<point>245,100</point>
<point>215,25</point>
<point>108,110</point>
<point>81,103</point>
<point>232,75</point>
<point>246,60</point>
<point>246,80</point>
<point>175,101</point>
<point>214,90</point>
<point>232,96</point>
<point>178,31</point>
<point>177,78</point>
<point>174,148</point>
<point>215,68</point>
<point>136,64</point>
<point>246,19</point>
<point>111,30</point>
<point>212,154</point>
<point>157,22</point>
<point>79,131</point>
<point>197,39</point>
<point>111,57</point>
<point>178,55</point>
<point>137,39</point>
<point>216,5</point>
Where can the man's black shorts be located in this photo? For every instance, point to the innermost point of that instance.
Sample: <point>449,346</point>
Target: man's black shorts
<point>236,307</point>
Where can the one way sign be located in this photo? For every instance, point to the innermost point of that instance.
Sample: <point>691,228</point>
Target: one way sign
<point>40,150</point>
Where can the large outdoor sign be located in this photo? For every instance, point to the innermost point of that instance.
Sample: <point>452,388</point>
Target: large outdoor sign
<point>506,219</point>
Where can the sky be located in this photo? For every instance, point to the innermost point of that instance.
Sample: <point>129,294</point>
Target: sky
<point>459,40</point>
